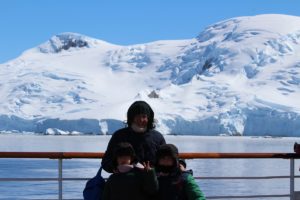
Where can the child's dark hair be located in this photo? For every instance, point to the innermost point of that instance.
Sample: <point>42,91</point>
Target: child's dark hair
<point>167,150</point>
<point>123,149</point>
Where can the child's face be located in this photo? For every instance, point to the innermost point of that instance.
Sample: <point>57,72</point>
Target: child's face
<point>124,160</point>
<point>166,161</point>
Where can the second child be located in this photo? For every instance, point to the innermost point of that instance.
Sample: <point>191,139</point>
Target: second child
<point>174,183</point>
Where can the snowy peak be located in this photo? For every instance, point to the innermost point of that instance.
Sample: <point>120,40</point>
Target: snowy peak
<point>238,46</point>
<point>241,28</point>
<point>69,42</point>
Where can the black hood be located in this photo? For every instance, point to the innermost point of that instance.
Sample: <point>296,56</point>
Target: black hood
<point>167,150</point>
<point>140,107</point>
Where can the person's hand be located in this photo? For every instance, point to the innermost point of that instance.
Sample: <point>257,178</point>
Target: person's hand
<point>182,168</point>
<point>147,166</point>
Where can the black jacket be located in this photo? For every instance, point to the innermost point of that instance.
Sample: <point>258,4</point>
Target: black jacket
<point>145,145</point>
<point>136,184</point>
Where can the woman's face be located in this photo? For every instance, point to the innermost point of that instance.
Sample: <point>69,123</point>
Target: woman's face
<point>141,120</point>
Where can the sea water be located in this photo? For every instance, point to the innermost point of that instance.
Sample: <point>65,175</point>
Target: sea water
<point>87,168</point>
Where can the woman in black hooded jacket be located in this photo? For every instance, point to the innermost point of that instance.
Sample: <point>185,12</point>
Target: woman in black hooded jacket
<point>139,133</point>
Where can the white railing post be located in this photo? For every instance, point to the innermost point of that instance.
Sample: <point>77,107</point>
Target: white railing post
<point>292,179</point>
<point>60,179</point>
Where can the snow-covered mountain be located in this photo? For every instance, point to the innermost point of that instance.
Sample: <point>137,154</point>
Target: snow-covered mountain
<point>238,76</point>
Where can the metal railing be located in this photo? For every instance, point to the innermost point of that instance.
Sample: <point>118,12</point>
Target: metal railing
<point>60,156</point>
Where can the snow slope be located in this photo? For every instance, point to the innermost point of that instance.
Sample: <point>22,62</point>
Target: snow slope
<point>237,77</point>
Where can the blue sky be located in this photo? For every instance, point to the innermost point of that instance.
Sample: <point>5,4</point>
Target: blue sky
<point>28,23</point>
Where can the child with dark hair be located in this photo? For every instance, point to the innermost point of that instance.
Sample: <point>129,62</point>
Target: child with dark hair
<point>129,182</point>
<point>174,183</point>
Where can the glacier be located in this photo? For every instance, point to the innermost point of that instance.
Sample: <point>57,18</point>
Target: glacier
<point>236,77</point>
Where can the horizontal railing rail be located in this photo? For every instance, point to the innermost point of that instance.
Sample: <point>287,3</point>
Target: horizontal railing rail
<point>93,155</point>
<point>60,156</point>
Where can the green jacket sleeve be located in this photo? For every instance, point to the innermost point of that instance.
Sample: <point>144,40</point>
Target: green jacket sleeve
<point>192,189</point>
